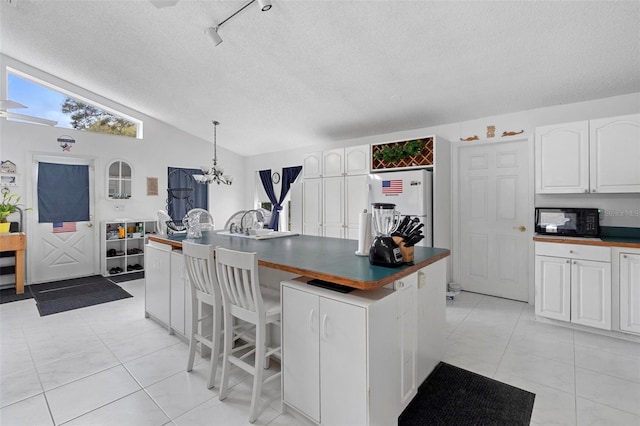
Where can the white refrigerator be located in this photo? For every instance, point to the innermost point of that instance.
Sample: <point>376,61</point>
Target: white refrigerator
<point>411,192</point>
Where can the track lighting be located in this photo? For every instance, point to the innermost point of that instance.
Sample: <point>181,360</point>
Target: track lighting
<point>212,32</point>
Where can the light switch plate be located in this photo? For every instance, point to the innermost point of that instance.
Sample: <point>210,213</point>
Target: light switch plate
<point>119,207</point>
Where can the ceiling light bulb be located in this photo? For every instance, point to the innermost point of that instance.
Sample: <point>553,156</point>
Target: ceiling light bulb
<point>264,5</point>
<point>212,33</point>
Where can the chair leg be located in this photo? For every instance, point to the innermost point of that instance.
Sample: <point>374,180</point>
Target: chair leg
<point>261,330</point>
<point>228,347</point>
<point>215,351</point>
<point>194,329</point>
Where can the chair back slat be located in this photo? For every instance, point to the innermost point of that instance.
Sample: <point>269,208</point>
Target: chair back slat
<point>200,267</point>
<point>238,278</point>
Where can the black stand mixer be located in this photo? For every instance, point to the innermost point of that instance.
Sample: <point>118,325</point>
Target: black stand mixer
<point>384,251</point>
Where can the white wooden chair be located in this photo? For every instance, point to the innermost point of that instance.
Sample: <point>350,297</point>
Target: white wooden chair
<point>200,267</point>
<point>206,220</point>
<point>242,298</point>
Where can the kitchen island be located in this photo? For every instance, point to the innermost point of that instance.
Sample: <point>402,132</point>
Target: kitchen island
<point>351,358</point>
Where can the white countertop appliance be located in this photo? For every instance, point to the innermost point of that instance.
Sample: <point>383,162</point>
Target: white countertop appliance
<point>411,192</point>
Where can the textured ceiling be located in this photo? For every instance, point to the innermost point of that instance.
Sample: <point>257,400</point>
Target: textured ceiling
<point>308,72</point>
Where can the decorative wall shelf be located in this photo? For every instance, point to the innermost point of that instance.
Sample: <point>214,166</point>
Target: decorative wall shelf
<point>423,159</point>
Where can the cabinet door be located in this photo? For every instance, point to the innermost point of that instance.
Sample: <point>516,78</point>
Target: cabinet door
<point>157,287</point>
<point>562,158</point>
<point>630,292</point>
<point>178,318</point>
<point>312,207</point>
<point>432,283</point>
<point>553,287</point>
<point>407,322</point>
<point>333,162</point>
<point>343,365</point>
<point>615,154</point>
<point>301,352</point>
<point>591,293</point>
<point>312,165</point>
<point>333,207</point>
<point>356,192</point>
<point>356,160</point>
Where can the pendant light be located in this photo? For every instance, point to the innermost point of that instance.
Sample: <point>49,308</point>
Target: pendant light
<point>214,173</point>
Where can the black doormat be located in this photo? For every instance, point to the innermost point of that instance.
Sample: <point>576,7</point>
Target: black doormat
<point>9,295</point>
<point>66,295</point>
<point>127,277</point>
<point>453,396</point>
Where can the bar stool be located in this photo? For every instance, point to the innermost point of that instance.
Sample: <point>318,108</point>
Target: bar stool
<point>200,266</point>
<point>242,298</point>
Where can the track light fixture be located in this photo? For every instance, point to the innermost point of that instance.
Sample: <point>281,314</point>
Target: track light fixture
<point>212,32</point>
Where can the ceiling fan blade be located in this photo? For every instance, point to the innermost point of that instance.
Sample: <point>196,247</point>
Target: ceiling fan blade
<point>27,118</point>
<point>6,104</point>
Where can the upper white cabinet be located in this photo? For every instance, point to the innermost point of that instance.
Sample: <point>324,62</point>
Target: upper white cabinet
<point>334,191</point>
<point>615,154</point>
<point>589,156</point>
<point>353,160</point>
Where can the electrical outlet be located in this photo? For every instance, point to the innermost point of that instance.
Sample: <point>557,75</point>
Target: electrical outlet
<point>119,207</point>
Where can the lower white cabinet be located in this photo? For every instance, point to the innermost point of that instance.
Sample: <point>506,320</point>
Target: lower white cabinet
<point>407,289</point>
<point>157,288</point>
<point>167,292</point>
<point>573,283</point>
<point>339,356</point>
<point>630,291</point>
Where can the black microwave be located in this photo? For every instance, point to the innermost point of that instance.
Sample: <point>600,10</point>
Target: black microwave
<point>577,222</point>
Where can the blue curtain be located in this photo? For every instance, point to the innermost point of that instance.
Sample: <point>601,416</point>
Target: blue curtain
<point>63,193</point>
<point>289,175</point>
<point>183,193</point>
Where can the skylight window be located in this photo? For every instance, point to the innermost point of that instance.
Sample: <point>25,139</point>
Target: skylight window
<point>71,111</point>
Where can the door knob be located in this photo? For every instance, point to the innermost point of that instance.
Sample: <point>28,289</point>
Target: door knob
<point>89,225</point>
<point>520,228</point>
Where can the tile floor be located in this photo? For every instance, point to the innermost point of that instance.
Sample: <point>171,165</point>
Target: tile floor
<point>108,365</point>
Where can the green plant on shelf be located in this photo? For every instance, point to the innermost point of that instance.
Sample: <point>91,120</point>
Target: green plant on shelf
<point>396,152</point>
<point>10,204</point>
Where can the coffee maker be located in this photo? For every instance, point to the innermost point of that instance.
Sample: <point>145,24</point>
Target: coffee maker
<point>384,251</point>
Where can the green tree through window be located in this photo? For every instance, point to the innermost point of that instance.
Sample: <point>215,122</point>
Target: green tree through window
<point>88,117</point>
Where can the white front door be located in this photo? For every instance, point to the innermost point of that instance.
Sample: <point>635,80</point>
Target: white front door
<point>494,210</point>
<point>57,256</point>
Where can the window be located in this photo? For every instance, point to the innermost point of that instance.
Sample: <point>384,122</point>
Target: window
<point>69,110</point>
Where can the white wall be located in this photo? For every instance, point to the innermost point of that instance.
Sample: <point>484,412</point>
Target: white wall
<point>620,207</point>
<point>162,146</point>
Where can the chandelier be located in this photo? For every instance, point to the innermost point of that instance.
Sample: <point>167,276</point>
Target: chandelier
<point>214,173</point>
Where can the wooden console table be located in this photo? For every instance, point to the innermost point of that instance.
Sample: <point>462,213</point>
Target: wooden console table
<point>17,242</point>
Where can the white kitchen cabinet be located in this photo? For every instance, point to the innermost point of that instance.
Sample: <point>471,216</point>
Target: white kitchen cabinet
<point>431,323</point>
<point>312,165</point>
<point>615,154</point>
<point>407,289</point>
<point>562,158</point>
<point>333,162</point>
<point>573,283</point>
<point>357,160</point>
<point>629,266</point>
<point>312,206</point>
<point>180,296</point>
<point>333,211</point>
<point>338,365</point>
<point>157,288</point>
<point>356,190</point>
<point>589,156</point>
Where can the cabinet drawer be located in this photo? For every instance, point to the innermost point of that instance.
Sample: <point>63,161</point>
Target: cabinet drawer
<point>574,251</point>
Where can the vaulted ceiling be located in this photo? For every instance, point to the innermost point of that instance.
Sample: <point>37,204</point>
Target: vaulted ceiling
<point>308,72</point>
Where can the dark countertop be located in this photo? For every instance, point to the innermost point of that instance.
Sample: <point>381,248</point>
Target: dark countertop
<point>610,236</point>
<point>329,259</point>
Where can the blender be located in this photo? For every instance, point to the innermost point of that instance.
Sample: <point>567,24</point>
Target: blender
<point>384,251</point>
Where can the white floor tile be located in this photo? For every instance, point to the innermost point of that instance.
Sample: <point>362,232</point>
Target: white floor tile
<point>593,414</point>
<point>182,392</point>
<point>82,396</point>
<point>157,366</point>
<point>18,386</point>
<point>617,393</point>
<point>67,370</point>
<point>28,412</point>
<point>137,409</point>
<point>142,344</point>
<point>610,363</point>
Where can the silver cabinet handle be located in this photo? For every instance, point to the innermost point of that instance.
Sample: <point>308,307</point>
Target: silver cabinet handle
<point>568,261</point>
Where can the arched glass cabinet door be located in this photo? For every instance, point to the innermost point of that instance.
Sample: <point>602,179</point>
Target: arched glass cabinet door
<point>120,178</point>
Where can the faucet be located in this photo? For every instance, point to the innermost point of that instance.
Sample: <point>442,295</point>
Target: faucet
<point>259,218</point>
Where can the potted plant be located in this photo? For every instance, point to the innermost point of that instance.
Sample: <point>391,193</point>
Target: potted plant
<point>10,204</point>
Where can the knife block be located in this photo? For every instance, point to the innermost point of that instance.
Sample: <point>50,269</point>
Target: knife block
<point>407,252</point>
